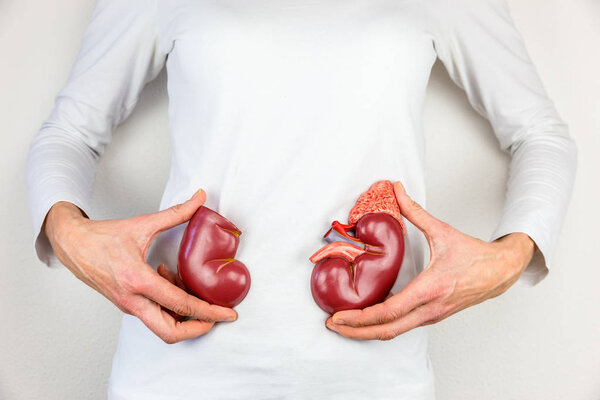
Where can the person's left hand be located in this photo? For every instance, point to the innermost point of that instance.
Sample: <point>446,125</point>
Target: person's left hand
<point>462,271</point>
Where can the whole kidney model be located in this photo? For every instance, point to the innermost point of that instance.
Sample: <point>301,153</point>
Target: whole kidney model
<point>360,264</point>
<point>206,262</point>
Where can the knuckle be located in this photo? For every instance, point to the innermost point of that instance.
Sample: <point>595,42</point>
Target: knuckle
<point>143,285</point>
<point>124,308</point>
<point>434,292</point>
<point>386,335</point>
<point>176,208</point>
<point>414,205</point>
<point>440,289</point>
<point>142,316</point>
<point>448,288</point>
<point>386,315</point>
<point>130,281</point>
<point>184,308</point>
<point>169,338</point>
<point>206,330</point>
<point>124,303</point>
<point>436,313</point>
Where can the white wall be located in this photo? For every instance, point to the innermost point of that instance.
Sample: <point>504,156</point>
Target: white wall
<point>57,336</point>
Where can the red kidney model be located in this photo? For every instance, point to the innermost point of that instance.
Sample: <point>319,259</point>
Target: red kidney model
<point>354,272</point>
<point>205,260</point>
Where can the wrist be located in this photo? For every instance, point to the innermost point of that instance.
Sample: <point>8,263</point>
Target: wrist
<point>61,217</point>
<point>516,250</point>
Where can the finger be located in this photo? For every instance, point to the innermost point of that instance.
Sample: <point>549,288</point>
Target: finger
<point>177,214</point>
<point>386,331</point>
<point>413,295</point>
<point>163,292</point>
<point>170,276</point>
<point>451,311</point>
<point>180,282</point>
<point>166,273</point>
<point>413,211</point>
<point>168,329</point>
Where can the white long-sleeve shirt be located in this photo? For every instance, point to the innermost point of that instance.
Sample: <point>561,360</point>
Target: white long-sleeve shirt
<point>284,112</point>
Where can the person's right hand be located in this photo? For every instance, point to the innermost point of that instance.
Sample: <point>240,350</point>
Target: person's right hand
<point>110,257</point>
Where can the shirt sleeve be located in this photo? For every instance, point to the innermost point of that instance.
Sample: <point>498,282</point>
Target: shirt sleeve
<point>485,55</point>
<point>120,52</point>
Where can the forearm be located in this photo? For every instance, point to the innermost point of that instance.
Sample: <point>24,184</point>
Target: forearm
<point>60,168</point>
<point>541,176</point>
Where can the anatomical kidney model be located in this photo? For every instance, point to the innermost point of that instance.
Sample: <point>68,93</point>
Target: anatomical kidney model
<point>357,271</point>
<point>205,260</point>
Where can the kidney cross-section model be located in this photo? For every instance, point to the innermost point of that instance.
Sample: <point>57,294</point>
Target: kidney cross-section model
<point>206,262</point>
<point>360,264</point>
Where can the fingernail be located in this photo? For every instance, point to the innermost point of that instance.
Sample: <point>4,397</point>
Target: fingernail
<point>231,318</point>
<point>331,327</point>
<point>197,193</point>
<point>338,320</point>
<point>400,186</point>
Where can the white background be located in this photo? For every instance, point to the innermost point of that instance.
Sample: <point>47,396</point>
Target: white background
<point>57,336</point>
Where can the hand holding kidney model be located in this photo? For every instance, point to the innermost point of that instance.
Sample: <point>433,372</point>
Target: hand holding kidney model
<point>206,262</point>
<point>354,272</point>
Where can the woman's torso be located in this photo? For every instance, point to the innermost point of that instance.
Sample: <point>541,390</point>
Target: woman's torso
<point>284,112</point>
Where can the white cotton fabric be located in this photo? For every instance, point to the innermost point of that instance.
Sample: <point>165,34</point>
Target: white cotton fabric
<point>284,112</point>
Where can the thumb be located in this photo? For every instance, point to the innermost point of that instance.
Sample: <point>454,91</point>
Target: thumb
<point>413,211</point>
<point>178,213</point>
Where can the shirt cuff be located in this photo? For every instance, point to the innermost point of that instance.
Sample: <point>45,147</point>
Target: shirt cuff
<point>537,269</point>
<point>44,251</point>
